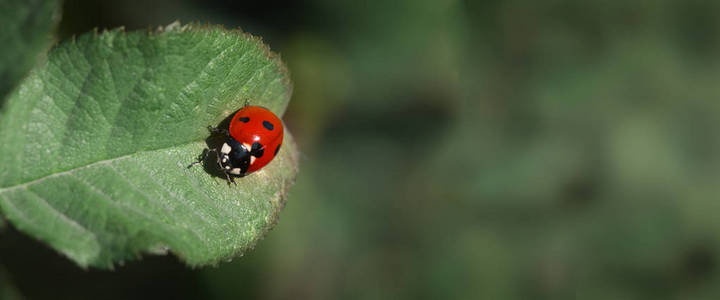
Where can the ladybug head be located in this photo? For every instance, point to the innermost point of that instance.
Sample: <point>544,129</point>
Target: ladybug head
<point>234,158</point>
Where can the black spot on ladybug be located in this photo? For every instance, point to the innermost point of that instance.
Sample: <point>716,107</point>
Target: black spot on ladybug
<point>244,119</point>
<point>277,149</point>
<point>268,125</point>
<point>257,150</point>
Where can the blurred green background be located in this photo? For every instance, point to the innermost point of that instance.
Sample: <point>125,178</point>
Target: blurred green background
<point>460,150</point>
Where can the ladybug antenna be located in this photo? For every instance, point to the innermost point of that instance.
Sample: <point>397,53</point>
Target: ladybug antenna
<point>201,158</point>
<point>247,102</point>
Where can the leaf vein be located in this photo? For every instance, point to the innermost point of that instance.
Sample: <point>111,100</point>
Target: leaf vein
<point>62,216</point>
<point>63,173</point>
<point>149,198</point>
<point>176,197</point>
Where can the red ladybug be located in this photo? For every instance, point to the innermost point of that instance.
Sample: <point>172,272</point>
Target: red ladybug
<point>252,141</point>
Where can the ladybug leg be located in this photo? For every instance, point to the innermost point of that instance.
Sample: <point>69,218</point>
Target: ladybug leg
<point>219,162</point>
<point>216,130</point>
<point>247,102</point>
<point>230,179</point>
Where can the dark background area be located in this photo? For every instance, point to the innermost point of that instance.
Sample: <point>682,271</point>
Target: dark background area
<point>459,150</point>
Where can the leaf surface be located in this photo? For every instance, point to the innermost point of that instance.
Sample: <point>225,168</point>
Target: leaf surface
<point>95,145</point>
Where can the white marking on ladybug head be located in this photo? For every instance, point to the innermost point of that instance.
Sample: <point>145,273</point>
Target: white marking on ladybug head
<point>224,159</point>
<point>225,149</point>
<point>235,171</point>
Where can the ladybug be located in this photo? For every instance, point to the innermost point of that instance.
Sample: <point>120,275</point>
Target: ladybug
<point>251,142</point>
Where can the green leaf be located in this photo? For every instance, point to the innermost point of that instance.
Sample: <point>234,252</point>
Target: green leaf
<point>24,35</point>
<point>95,145</point>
